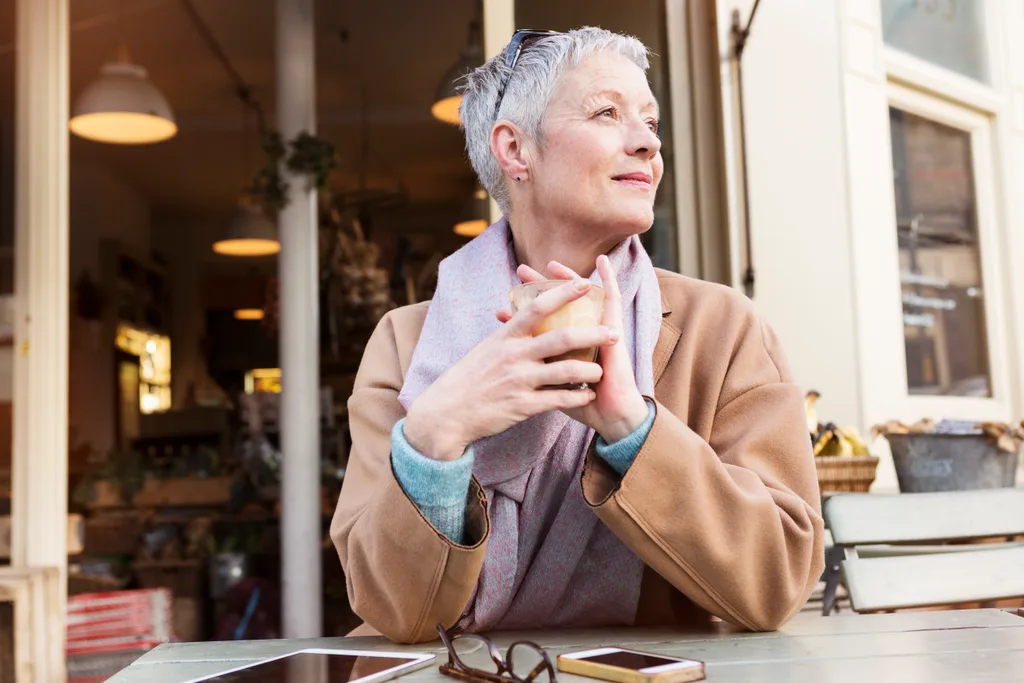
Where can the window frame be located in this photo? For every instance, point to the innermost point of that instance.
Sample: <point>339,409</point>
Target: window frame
<point>983,133</point>
<point>918,72</point>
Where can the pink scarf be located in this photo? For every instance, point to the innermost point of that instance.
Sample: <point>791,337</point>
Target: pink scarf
<point>550,561</point>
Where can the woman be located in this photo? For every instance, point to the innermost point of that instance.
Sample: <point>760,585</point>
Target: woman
<point>680,485</point>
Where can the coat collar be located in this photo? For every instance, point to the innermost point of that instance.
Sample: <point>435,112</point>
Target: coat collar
<point>668,338</point>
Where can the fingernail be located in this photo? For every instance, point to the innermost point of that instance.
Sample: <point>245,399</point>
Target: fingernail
<point>581,285</point>
<point>613,335</point>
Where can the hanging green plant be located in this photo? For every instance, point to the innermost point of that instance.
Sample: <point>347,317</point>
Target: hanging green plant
<point>312,156</point>
<point>306,155</point>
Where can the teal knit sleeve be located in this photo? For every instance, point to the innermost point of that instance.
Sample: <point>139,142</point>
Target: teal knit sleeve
<point>438,488</point>
<point>621,454</point>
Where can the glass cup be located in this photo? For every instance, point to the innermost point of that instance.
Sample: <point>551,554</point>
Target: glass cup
<point>585,311</point>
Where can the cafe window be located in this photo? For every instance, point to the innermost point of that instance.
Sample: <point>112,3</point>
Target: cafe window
<point>941,278</point>
<point>644,19</point>
<point>154,366</point>
<point>263,380</point>
<point>947,33</point>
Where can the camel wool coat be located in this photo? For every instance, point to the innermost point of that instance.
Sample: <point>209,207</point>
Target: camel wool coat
<point>721,502</point>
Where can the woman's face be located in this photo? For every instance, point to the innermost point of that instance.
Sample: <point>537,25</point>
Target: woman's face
<point>600,162</point>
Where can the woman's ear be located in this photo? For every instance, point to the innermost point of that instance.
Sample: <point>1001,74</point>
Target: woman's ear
<point>508,148</point>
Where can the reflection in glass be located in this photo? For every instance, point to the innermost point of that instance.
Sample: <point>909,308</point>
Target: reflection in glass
<point>154,354</point>
<point>263,380</point>
<point>947,33</point>
<point>128,398</point>
<point>940,264</point>
<point>644,19</point>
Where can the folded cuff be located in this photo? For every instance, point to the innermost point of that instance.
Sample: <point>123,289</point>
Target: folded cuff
<point>438,488</point>
<point>621,454</point>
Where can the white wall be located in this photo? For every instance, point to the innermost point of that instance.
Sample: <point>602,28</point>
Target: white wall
<point>797,165</point>
<point>1012,132</point>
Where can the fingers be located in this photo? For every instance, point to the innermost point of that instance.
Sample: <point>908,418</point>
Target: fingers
<point>612,296</point>
<point>567,372</point>
<point>560,272</point>
<point>504,316</point>
<point>533,314</point>
<point>528,274</point>
<point>556,270</point>
<point>565,339</point>
<point>563,399</point>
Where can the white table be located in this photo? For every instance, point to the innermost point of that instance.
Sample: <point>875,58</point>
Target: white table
<point>961,646</point>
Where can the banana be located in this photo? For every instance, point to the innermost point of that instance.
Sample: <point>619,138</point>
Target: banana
<point>836,443</point>
<point>857,442</point>
<point>827,439</point>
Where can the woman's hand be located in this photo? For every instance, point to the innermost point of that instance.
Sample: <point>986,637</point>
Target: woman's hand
<point>618,408</point>
<point>499,383</point>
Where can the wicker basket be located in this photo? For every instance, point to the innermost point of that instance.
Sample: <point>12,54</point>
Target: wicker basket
<point>847,474</point>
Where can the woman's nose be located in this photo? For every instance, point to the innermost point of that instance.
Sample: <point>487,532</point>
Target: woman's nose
<point>643,141</point>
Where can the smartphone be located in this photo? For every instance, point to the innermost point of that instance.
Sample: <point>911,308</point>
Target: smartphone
<point>631,666</point>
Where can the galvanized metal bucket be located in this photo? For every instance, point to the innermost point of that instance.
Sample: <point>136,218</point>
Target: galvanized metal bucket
<point>950,462</point>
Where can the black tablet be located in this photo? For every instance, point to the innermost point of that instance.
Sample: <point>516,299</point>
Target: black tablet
<point>324,666</point>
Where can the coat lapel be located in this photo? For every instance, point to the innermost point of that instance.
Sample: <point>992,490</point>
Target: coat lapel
<point>667,340</point>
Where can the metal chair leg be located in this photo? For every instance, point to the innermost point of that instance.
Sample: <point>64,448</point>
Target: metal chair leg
<point>833,558</point>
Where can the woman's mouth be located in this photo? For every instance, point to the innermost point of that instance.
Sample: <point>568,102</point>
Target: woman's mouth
<point>641,181</point>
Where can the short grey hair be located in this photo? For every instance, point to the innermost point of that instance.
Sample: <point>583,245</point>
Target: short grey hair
<point>528,93</point>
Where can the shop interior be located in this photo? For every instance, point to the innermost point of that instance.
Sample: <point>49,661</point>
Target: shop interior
<point>174,382</point>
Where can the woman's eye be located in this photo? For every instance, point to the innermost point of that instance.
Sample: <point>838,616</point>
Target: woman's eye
<point>610,111</point>
<point>654,126</point>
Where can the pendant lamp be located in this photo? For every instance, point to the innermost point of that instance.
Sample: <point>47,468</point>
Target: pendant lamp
<point>122,107</point>
<point>250,233</point>
<point>475,218</point>
<point>249,314</point>
<point>448,98</point>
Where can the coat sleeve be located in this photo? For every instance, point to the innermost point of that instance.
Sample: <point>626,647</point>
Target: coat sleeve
<point>732,522</point>
<point>403,576</point>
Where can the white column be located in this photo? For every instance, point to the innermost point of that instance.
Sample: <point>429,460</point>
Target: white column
<point>684,152</point>
<point>499,25</point>
<point>40,441</point>
<point>302,593</point>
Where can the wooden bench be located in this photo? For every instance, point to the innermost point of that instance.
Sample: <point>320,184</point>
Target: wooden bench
<point>35,596</point>
<point>894,551</point>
